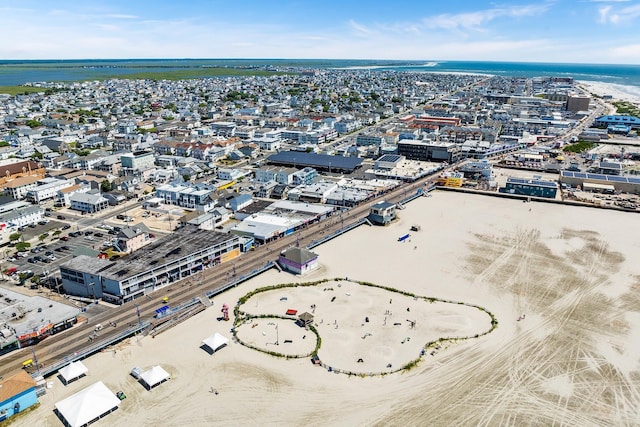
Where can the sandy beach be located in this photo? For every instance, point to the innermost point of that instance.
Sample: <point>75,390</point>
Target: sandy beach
<point>572,360</point>
<point>618,92</point>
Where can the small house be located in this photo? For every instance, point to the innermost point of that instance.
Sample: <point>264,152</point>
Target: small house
<point>298,260</point>
<point>382,213</point>
<point>17,393</point>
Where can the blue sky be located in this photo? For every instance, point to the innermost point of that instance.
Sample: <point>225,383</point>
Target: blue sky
<point>586,31</point>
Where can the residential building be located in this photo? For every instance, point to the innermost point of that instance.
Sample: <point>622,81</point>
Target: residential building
<point>134,162</point>
<point>187,196</point>
<point>266,174</point>
<point>19,187</point>
<point>130,239</point>
<point>88,202</point>
<point>64,194</point>
<point>22,216</point>
<point>46,189</point>
<point>304,176</point>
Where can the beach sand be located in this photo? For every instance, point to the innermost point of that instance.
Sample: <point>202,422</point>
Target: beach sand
<point>573,360</point>
<point>618,92</point>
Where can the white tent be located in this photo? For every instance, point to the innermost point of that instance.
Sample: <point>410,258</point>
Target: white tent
<point>215,342</point>
<point>72,371</point>
<point>88,404</point>
<point>154,376</point>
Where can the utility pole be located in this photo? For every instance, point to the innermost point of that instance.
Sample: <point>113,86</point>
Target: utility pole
<point>35,359</point>
<point>138,312</point>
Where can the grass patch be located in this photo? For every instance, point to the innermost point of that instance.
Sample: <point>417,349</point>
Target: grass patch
<point>578,147</point>
<point>624,107</point>
<point>20,415</point>
<point>20,90</point>
<point>191,73</point>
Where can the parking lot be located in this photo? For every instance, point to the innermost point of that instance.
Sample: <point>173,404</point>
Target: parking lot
<point>45,256</point>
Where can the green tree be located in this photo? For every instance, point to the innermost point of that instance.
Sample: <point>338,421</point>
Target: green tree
<point>186,177</point>
<point>22,246</point>
<point>14,236</point>
<point>43,236</point>
<point>37,155</point>
<point>105,186</point>
<point>33,123</point>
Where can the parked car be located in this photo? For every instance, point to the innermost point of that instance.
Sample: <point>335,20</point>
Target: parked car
<point>66,227</point>
<point>64,238</point>
<point>60,217</point>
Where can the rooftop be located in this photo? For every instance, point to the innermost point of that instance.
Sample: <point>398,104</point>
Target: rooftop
<point>314,160</point>
<point>31,312</point>
<point>168,249</point>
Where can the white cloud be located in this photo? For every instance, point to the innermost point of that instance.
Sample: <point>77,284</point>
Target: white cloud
<point>624,15</point>
<point>475,20</point>
<point>630,52</point>
<point>121,16</point>
<point>360,29</point>
<point>603,13</point>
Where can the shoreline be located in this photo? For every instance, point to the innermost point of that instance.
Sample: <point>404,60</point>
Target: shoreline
<point>619,92</point>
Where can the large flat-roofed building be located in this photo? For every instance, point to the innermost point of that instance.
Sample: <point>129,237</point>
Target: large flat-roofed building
<point>172,258</point>
<point>612,120</point>
<point>531,187</point>
<point>428,151</point>
<point>26,320</point>
<point>323,162</point>
<point>626,184</point>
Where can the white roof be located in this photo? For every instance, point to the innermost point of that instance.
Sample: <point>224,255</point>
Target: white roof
<point>88,404</point>
<point>154,376</point>
<point>215,341</point>
<point>73,370</point>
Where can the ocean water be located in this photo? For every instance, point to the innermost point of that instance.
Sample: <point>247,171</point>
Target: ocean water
<point>20,72</point>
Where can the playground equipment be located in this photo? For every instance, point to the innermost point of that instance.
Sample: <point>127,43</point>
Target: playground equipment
<point>225,311</point>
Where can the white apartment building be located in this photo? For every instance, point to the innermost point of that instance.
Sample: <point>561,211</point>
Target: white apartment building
<point>141,160</point>
<point>47,189</point>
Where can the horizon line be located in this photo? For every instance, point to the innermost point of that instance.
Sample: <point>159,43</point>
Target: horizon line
<point>309,59</point>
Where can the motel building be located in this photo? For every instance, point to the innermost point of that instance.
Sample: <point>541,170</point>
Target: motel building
<point>182,254</point>
<point>382,213</point>
<point>298,260</point>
